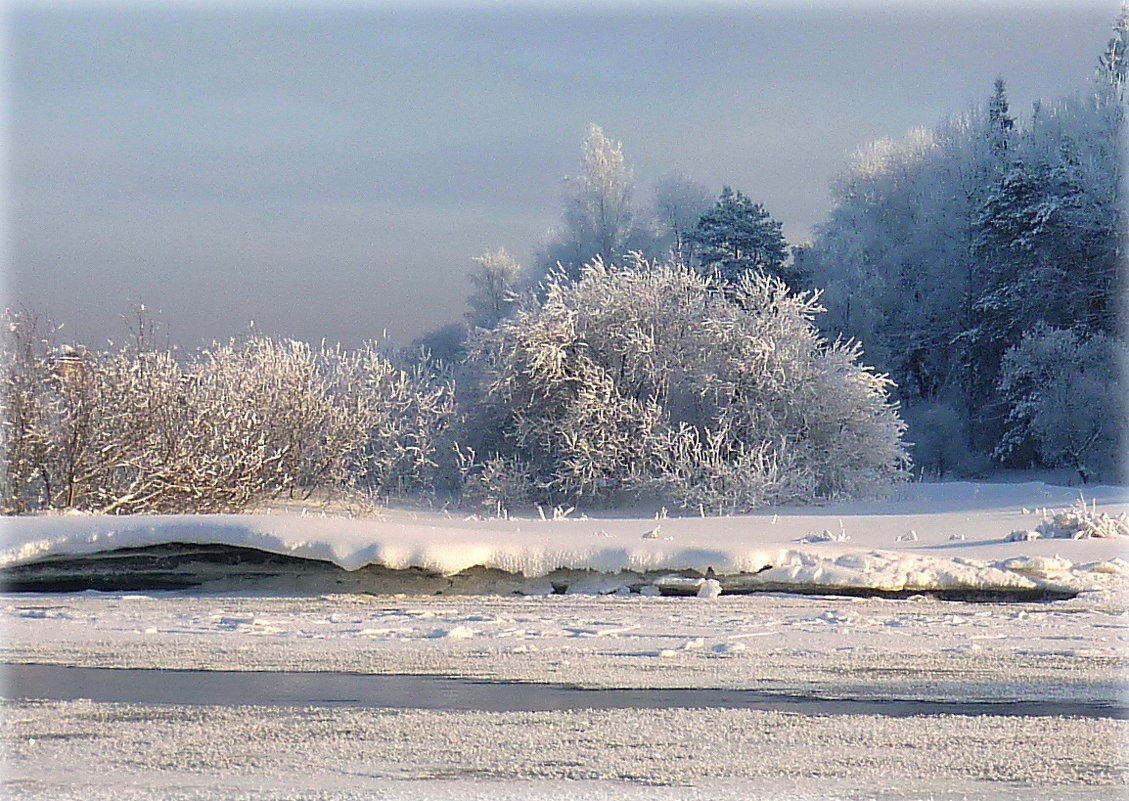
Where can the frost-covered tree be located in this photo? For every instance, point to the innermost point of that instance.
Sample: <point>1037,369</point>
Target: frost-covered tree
<point>1050,235</point>
<point>1000,121</point>
<point>1067,401</point>
<point>738,236</point>
<point>1113,64</point>
<point>598,217</point>
<point>650,379</point>
<point>496,282</point>
<point>679,202</point>
<point>28,371</point>
<point>942,249</point>
<point>896,258</point>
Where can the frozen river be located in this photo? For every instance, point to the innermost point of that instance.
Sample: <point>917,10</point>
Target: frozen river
<point>331,689</point>
<point>181,696</point>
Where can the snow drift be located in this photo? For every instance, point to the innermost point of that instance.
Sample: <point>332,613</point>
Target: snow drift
<point>952,537</point>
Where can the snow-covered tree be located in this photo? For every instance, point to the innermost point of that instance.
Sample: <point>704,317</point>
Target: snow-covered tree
<point>599,219</point>
<point>29,369</point>
<point>1113,64</point>
<point>1050,235</point>
<point>495,282</point>
<point>738,236</point>
<point>1067,401</point>
<point>679,202</point>
<point>1000,121</point>
<point>942,249</point>
<point>650,379</point>
<point>896,260</point>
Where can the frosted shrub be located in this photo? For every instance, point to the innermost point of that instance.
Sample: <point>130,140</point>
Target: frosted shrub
<point>651,380</point>
<point>399,418</point>
<point>497,485</point>
<point>29,409</point>
<point>710,472</point>
<point>136,430</point>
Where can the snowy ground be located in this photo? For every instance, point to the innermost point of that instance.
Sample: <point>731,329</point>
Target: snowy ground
<point>104,751</point>
<point>820,646</point>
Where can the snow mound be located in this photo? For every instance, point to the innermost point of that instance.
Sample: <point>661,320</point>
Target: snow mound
<point>1115,567</point>
<point>891,571</point>
<point>1038,566</point>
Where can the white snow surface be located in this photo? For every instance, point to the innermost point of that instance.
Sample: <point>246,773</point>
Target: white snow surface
<point>926,536</point>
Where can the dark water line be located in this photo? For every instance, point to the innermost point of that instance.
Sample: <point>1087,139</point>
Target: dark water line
<point>327,689</point>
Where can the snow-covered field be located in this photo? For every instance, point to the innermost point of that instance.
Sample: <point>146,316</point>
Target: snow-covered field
<point>815,646</point>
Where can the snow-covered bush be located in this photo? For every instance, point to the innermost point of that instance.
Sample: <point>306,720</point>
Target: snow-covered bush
<point>400,414</point>
<point>497,485</point>
<point>28,373</point>
<point>650,379</point>
<point>137,430</point>
<point>1067,400</point>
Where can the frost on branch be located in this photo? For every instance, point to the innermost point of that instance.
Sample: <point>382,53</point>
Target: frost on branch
<point>651,380</point>
<point>137,430</point>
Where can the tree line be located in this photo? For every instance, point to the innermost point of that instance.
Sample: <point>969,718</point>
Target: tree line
<point>636,381</point>
<point>980,262</point>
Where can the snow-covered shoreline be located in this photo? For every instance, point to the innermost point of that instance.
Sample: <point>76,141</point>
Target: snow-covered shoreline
<point>927,537</point>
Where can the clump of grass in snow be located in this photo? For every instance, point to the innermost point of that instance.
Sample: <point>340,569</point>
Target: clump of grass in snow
<point>1083,521</point>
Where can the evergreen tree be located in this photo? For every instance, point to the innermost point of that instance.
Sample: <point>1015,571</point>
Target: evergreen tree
<point>738,236</point>
<point>1000,122</point>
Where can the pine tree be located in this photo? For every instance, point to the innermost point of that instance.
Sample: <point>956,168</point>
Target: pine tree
<point>1000,122</point>
<point>738,236</point>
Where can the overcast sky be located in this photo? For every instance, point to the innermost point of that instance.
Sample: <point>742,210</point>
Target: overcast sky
<point>330,170</point>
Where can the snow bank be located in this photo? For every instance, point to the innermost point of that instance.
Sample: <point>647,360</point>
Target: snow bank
<point>946,536</point>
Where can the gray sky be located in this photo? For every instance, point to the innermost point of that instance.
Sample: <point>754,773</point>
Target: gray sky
<point>329,170</point>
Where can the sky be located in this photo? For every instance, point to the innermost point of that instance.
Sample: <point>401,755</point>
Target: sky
<point>327,171</point>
